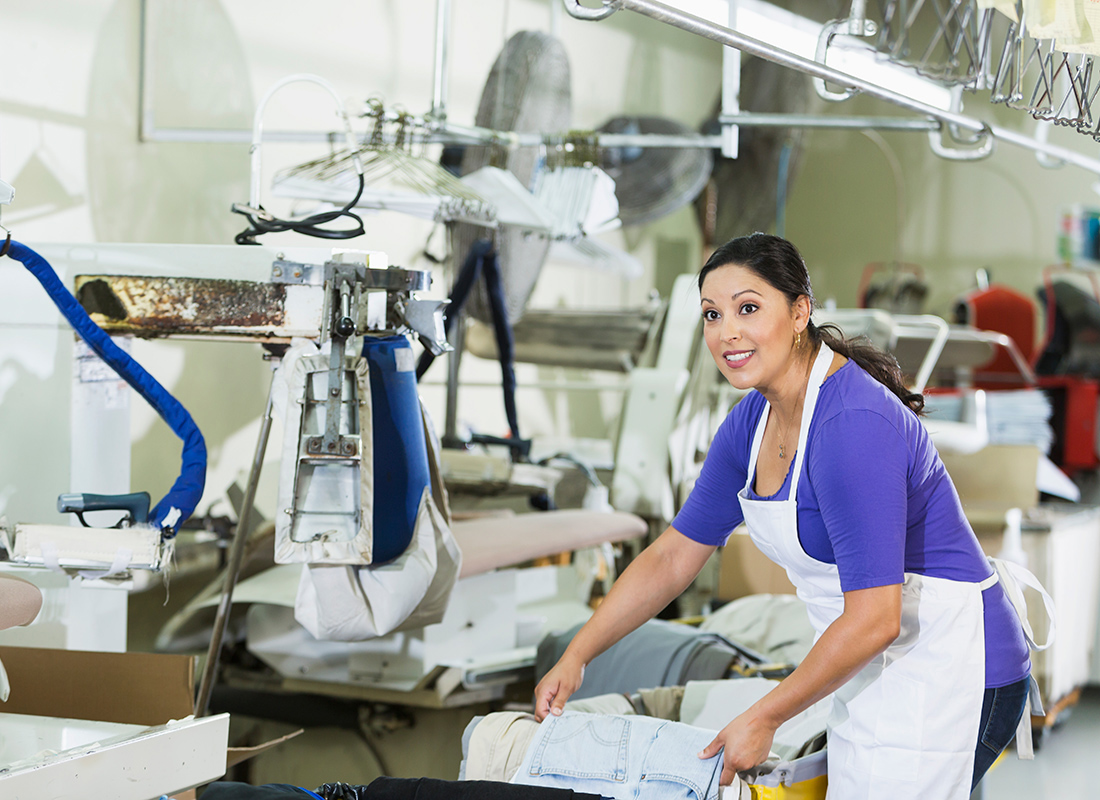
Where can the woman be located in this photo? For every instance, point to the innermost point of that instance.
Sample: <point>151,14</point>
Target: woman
<point>837,480</point>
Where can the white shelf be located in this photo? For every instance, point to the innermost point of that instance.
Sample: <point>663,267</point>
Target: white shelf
<point>46,758</point>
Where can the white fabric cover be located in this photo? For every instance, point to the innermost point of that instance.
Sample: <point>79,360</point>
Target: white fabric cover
<point>98,552</point>
<point>347,603</point>
<point>299,363</point>
<point>354,603</point>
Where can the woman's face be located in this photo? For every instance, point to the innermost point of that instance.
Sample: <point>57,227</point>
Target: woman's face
<point>750,327</point>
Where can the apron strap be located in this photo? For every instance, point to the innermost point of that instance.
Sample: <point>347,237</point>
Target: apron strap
<point>1012,576</point>
<point>822,361</point>
<point>1025,748</point>
<point>757,437</point>
<point>820,370</point>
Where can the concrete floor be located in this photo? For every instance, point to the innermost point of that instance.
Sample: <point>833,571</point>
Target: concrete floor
<point>1065,766</point>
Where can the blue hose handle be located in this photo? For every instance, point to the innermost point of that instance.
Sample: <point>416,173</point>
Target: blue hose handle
<point>135,504</point>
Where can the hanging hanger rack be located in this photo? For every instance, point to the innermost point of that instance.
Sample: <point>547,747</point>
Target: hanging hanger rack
<point>439,129</point>
<point>951,122</point>
<point>395,177</point>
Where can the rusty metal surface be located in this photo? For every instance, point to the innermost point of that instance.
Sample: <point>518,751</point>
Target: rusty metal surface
<point>157,306</point>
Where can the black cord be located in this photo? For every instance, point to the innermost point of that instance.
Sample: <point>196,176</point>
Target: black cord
<point>6,246</point>
<point>589,473</point>
<point>308,226</point>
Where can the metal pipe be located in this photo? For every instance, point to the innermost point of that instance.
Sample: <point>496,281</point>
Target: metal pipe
<point>935,349</point>
<point>449,133</point>
<point>233,567</point>
<point>542,386</point>
<point>454,358</point>
<point>226,136</point>
<point>746,44</point>
<point>258,128</point>
<point>730,38</point>
<point>439,77</point>
<point>145,75</point>
<point>762,120</point>
<point>467,134</point>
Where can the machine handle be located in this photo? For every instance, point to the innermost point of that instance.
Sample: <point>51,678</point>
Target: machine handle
<point>135,504</point>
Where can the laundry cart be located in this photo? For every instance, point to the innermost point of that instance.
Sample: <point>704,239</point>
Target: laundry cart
<point>803,778</point>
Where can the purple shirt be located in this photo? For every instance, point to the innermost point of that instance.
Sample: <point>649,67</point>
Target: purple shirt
<point>873,498</point>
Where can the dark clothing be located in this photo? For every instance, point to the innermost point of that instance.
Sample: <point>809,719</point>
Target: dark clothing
<point>1002,708</point>
<point>386,788</point>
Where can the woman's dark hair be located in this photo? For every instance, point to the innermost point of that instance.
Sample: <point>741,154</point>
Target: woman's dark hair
<point>778,262</point>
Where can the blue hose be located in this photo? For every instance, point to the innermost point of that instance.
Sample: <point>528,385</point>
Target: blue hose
<point>176,506</point>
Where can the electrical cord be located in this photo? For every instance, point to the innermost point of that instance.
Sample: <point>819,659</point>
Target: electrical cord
<point>260,222</point>
<point>587,469</point>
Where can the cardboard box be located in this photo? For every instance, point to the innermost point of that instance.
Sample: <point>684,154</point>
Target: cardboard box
<point>128,688</point>
<point>993,480</point>
<point>744,570</point>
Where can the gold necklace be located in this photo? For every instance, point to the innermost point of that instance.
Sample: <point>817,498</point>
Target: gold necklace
<point>783,438</point>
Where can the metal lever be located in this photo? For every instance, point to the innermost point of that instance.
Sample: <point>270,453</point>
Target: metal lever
<point>135,504</point>
<point>342,323</point>
<point>575,9</point>
<point>425,317</point>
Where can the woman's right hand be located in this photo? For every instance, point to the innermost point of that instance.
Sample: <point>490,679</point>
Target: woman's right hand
<point>557,686</point>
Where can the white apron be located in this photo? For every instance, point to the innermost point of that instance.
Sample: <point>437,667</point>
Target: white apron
<point>905,726</point>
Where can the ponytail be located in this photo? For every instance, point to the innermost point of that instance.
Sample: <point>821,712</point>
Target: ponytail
<point>880,365</point>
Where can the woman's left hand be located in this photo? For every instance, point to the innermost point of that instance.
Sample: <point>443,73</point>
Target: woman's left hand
<point>747,741</point>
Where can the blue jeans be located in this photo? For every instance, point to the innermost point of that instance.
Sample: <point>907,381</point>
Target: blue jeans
<point>1001,711</point>
<point>621,756</point>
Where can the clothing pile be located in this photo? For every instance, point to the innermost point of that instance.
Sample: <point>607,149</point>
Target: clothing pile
<point>514,746</point>
<point>392,789</point>
<point>661,653</point>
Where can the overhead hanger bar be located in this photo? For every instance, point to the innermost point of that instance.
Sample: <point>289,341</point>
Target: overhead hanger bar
<point>443,131</point>
<point>746,44</point>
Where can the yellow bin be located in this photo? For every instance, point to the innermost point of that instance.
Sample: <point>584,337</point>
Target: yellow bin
<point>802,779</point>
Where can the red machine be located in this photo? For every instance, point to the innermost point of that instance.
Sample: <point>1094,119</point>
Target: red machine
<point>1065,362</point>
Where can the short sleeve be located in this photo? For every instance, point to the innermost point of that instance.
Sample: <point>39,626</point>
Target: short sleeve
<point>858,468</point>
<point>712,510</point>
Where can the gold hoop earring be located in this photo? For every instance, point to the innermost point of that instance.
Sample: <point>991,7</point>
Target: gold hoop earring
<point>798,340</point>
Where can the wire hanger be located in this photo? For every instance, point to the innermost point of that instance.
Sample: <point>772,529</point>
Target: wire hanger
<point>394,177</point>
<point>580,198</point>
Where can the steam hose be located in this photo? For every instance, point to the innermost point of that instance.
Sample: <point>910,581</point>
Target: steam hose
<point>176,506</point>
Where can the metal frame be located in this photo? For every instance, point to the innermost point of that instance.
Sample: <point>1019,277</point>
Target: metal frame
<point>730,38</point>
<point>443,131</point>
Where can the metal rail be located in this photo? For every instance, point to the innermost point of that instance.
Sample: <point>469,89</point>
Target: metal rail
<point>746,44</point>
<point>440,131</point>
